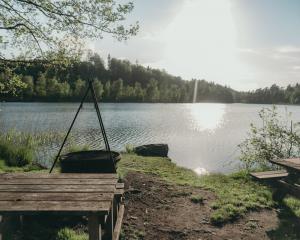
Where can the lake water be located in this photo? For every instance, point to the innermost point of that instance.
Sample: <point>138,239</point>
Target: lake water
<point>201,136</point>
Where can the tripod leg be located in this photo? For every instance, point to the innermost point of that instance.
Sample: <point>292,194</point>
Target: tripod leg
<point>67,135</point>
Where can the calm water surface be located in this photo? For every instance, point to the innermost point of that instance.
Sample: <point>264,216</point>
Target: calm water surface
<point>202,136</point>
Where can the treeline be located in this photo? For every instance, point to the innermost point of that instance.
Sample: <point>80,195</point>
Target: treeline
<point>272,95</point>
<point>119,81</point>
<point>122,81</point>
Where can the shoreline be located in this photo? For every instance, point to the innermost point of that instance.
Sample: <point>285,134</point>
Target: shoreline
<point>100,101</point>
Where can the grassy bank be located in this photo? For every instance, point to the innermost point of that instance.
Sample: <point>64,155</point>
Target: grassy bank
<point>236,194</point>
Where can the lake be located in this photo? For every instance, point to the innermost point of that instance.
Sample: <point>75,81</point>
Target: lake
<point>201,136</point>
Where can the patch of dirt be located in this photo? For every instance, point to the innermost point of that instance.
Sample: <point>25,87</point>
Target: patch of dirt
<point>158,210</point>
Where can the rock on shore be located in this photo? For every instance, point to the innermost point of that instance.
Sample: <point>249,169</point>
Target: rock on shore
<point>156,150</point>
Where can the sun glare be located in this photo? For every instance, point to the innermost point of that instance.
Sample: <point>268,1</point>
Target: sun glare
<point>201,41</point>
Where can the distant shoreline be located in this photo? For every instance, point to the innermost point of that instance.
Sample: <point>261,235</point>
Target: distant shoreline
<point>288,104</point>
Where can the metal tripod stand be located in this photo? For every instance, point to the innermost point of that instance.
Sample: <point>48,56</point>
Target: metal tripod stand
<point>91,89</point>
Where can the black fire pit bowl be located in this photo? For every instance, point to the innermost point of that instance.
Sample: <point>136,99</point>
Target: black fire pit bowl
<point>89,162</point>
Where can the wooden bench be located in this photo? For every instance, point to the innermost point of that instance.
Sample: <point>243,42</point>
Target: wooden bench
<point>270,175</point>
<point>97,196</point>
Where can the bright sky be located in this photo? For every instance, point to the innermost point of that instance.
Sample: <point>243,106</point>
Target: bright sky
<point>244,44</point>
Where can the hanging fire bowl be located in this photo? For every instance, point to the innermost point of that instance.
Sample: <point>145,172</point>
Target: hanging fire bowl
<point>98,161</point>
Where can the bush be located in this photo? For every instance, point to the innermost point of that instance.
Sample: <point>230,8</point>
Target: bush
<point>277,138</point>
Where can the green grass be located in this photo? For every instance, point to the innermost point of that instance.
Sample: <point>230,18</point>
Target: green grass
<point>293,204</point>
<point>236,193</point>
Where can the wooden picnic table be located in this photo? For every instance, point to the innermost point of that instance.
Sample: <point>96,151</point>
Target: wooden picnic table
<point>289,184</point>
<point>96,196</point>
<point>284,181</point>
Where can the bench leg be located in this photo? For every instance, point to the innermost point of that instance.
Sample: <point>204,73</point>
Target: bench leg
<point>1,227</point>
<point>118,225</point>
<point>110,222</point>
<point>115,211</point>
<point>94,227</point>
<point>4,221</point>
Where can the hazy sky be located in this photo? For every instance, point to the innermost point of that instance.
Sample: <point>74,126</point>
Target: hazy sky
<point>245,44</point>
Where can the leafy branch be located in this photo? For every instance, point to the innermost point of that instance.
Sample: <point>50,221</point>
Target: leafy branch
<point>276,138</point>
<point>35,27</point>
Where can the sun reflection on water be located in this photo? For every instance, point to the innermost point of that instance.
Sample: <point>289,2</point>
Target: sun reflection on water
<point>206,116</point>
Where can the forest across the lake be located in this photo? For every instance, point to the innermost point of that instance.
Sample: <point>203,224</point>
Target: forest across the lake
<point>123,81</point>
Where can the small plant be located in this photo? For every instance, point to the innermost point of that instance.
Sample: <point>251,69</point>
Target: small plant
<point>69,234</point>
<point>276,138</point>
<point>197,199</point>
<point>129,148</point>
<point>226,213</point>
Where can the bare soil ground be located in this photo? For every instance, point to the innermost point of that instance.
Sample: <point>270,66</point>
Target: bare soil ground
<point>156,209</point>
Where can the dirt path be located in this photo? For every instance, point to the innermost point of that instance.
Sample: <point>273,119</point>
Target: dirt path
<point>158,210</point>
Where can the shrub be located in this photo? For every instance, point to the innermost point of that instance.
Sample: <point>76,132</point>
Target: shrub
<point>277,138</point>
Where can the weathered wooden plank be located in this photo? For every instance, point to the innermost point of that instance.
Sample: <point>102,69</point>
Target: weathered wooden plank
<point>56,181</point>
<point>290,163</point>
<point>271,172</point>
<point>94,227</point>
<point>120,185</point>
<point>117,229</point>
<point>119,189</point>
<point>46,196</point>
<point>59,175</point>
<point>77,207</point>
<point>57,188</point>
<point>270,175</point>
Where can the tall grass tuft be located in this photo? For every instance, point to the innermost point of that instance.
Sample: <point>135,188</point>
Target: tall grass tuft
<point>16,149</point>
<point>19,149</point>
